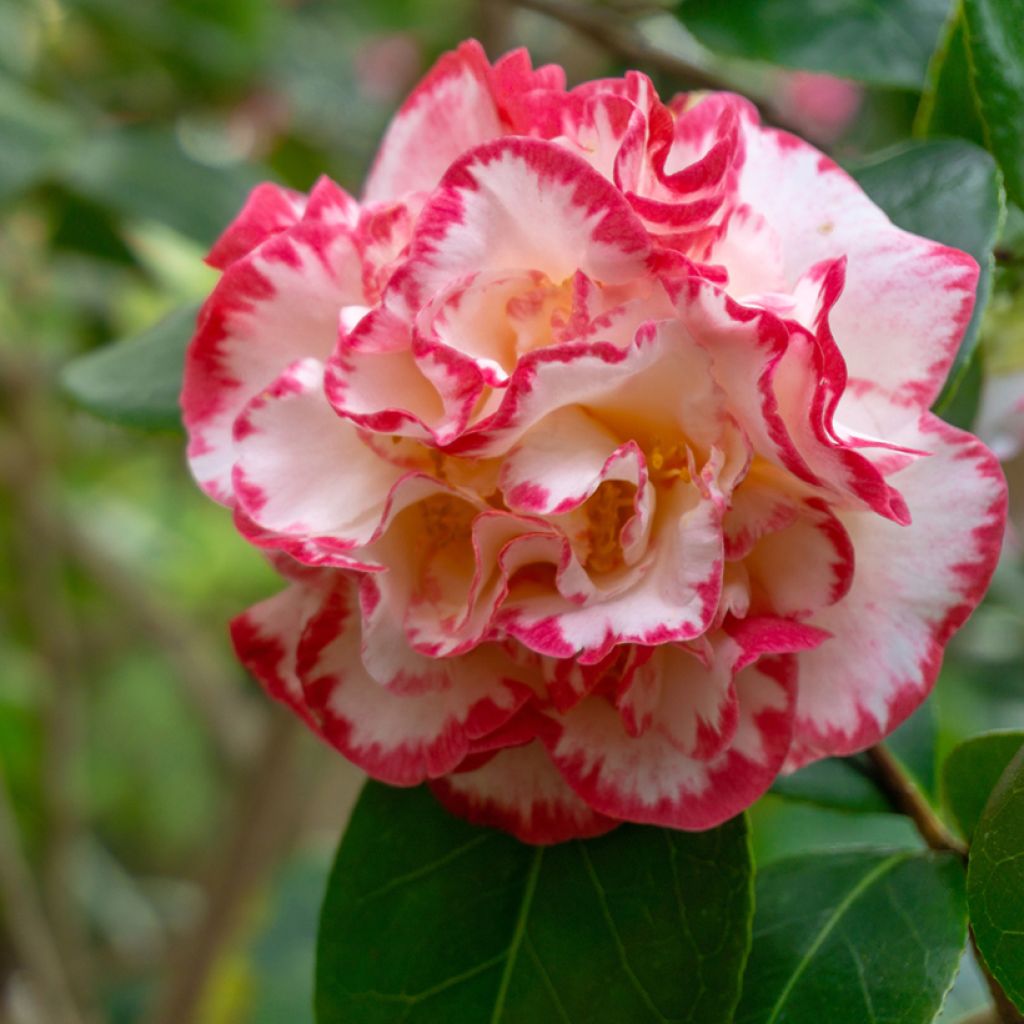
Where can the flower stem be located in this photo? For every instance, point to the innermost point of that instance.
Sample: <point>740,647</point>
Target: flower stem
<point>904,795</point>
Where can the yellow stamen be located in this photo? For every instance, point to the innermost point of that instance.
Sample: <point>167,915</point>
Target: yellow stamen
<point>607,511</point>
<point>667,463</point>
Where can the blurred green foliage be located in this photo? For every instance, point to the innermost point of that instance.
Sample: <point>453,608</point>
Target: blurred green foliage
<point>129,134</point>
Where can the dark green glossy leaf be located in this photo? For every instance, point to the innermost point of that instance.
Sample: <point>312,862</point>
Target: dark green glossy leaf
<point>144,173</point>
<point>971,772</point>
<point>995,35</point>
<point>431,919</point>
<point>781,828</point>
<point>949,105</point>
<point>843,783</point>
<point>886,43</point>
<point>33,133</point>
<point>860,936</point>
<point>995,881</point>
<point>948,190</point>
<point>135,383</point>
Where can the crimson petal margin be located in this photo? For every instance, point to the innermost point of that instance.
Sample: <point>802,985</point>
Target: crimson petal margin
<point>646,779</point>
<point>520,791</point>
<point>914,586</point>
<point>271,307</point>
<point>907,300</point>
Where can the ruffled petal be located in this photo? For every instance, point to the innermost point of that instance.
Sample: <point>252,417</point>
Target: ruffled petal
<point>674,597</point>
<point>647,779</point>
<point>269,210</point>
<point>400,737</point>
<point>278,304</point>
<point>907,300</point>
<point>296,461</point>
<point>453,109</point>
<point>913,587</point>
<point>266,641</point>
<point>520,791</point>
<point>520,203</point>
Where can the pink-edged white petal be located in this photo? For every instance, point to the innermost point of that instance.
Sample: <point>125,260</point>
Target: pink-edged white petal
<point>805,385</point>
<point>301,469</point>
<point>913,587</point>
<point>372,363</point>
<point>692,704</point>
<point>520,204</point>
<point>268,210</point>
<point>330,204</point>
<point>907,300</point>
<point>750,250</point>
<point>450,111</point>
<point>266,639</point>
<point>646,778</point>
<point>633,389</point>
<point>520,791</point>
<point>401,737</point>
<point>278,304</point>
<point>672,597</point>
<point>803,567</point>
<point>559,464</point>
<point>761,505</point>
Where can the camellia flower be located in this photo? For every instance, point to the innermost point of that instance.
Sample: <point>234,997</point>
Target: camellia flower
<point>594,442</point>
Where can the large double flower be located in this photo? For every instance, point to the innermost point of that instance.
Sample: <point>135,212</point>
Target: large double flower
<point>595,444</point>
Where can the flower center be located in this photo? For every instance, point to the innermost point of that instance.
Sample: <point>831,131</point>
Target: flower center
<point>667,462</point>
<point>537,315</point>
<point>446,520</point>
<point>607,511</point>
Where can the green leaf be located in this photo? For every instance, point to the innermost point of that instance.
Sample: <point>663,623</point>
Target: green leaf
<point>428,918</point>
<point>995,35</point>
<point>144,173</point>
<point>33,133</point>
<point>781,828</point>
<point>135,383</point>
<point>843,783</point>
<point>949,105</point>
<point>869,935</point>
<point>995,881</point>
<point>971,772</point>
<point>948,190</point>
<point>886,43</point>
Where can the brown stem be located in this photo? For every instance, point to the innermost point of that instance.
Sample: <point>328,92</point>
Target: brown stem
<point>907,799</point>
<point>264,820</point>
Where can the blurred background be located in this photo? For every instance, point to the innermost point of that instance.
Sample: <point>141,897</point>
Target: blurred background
<point>165,832</point>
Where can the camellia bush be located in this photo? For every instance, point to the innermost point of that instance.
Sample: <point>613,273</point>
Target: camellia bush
<point>614,450</point>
